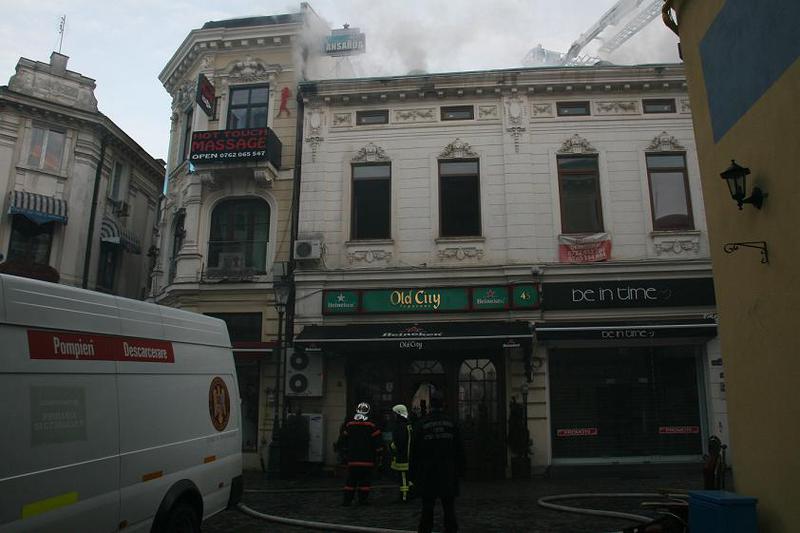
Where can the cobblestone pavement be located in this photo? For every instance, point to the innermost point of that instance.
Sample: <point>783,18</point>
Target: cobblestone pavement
<point>484,507</point>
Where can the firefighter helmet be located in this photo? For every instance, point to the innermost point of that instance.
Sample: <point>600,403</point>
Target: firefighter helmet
<point>363,408</point>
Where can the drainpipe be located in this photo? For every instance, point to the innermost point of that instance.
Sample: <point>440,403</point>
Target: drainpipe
<point>90,234</point>
<point>298,164</point>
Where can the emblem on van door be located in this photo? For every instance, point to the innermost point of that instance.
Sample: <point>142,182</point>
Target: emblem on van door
<point>219,403</point>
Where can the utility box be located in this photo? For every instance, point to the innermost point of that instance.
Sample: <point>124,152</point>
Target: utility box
<point>719,511</point>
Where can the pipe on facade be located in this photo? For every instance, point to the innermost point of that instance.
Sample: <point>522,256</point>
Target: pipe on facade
<point>90,234</point>
<point>298,165</point>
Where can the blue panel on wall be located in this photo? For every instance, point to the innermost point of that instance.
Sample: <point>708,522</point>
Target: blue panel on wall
<point>745,50</point>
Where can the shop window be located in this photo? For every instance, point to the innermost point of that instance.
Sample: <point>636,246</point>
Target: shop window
<point>458,112</point>
<point>247,107</point>
<point>424,366</point>
<point>242,327</point>
<point>239,235</point>
<point>187,134</point>
<point>372,201</point>
<point>573,109</point>
<point>660,105</point>
<point>368,118</point>
<point>459,199</point>
<point>579,191</point>
<point>47,148</point>
<point>670,202</point>
<point>30,242</point>
<point>107,268</point>
<point>477,392</point>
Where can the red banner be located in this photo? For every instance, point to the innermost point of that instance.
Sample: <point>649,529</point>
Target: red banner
<point>585,249</point>
<point>678,430</point>
<point>576,432</point>
<point>90,347</point>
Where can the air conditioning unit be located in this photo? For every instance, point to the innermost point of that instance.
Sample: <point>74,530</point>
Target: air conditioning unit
<point>303,373</point>
<point>307,249</point>
<point>316,441</point>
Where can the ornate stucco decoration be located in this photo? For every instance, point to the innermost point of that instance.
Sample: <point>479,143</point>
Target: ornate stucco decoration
<point>249,69</point>
<point>686,106</point>
<point>457,149</point>
<point>368,256</point>
<point>263,178</point>
<point>460,253</point>
<point>577,145</point>
<point>664,142</point>
<point>314,127</point>
<point>370,154</point>
<point>487,112</point>
<point>672,245</point>
<point>184,95</point>
<point>342,119</point>
<point>515,115</point>
<point>617,108</point>
<point>542,110</point>
<point>209,180</point>
<point>427,114</point>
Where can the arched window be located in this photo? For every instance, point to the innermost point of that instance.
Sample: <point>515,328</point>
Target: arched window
<point>239,235</point>
<point>477,391</point>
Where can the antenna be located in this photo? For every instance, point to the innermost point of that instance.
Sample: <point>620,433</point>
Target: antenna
<point>62,21</point>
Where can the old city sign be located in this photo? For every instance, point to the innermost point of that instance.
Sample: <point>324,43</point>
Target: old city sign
<point>431,300</point>
<point>629,294</point>
<point>220,146</point>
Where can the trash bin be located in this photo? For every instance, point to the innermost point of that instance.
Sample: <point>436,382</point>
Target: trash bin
<point>719,511</point>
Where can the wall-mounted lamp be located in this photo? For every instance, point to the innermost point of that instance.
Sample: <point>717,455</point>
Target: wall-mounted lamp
<point>736,177</point>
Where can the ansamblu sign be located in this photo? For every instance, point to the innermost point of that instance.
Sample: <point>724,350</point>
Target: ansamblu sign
<point>345,42</point>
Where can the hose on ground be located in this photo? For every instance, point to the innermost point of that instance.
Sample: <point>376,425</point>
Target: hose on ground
<point>545,502</point>
<point>318,489</point>
<point>321,526</point>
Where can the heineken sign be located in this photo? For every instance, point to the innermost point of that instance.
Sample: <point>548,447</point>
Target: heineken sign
<point>431,300</point>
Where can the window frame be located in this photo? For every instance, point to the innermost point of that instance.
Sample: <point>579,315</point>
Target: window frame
<point>572,104</point>
<point>232,228</point>
<point>115,182</point>
<point>658,101</point>
<point>477,177</point>
<point>444,110</point>
<point>47,228</point>
<point>248,106</point>
<point>598,191</point>
<point>371,113</point>
<point>353,203</point>
<point>686,189</point>
<point>187,134</point>
<point>46,137</point>
<point>109,252</point>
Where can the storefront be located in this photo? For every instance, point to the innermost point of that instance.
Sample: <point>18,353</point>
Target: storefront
<point>634,389</point>
<point>441,348</point>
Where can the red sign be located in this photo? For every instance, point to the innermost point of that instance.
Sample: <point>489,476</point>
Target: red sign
<point>678,430</point>
<point>206,95</point>
<point>219,146</point>
<point>576,432</point>
<point>585,249</point>
<point>75,346</point>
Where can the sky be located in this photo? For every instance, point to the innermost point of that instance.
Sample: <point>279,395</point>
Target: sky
<point>124,44</point>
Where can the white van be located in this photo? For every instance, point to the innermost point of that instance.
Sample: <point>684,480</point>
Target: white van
<point>116,415</point>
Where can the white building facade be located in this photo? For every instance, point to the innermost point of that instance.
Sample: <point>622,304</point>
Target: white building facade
<point>530,236</point>
<point>80,197</point>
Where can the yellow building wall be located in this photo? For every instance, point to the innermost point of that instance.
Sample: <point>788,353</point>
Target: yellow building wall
<point>758,303</point>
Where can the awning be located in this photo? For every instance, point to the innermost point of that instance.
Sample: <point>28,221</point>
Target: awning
<point>621,331</point>
<point>252,349</point>
<point>111,232</point>
<point>426,332</point>
<point>37,207</point>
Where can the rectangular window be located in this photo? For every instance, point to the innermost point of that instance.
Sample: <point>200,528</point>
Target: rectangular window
<point>247,107</point>
<point>661,105</point>
<point>30,242</point>
<point>366,118</point>
<point>459,112</point>
<point>579,191</point>
<point>117,174</point>
<point>242,327</point>
<point>573,109</point>
<point>372,202</point>
<point>47,148</point>
<point>669,192</point>
<point>459,199</point>
<point>187,134</point>
<point>215,110</point>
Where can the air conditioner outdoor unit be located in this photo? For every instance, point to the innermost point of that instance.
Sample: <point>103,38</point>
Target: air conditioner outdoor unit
<point>307,249</point>
<point>303,373</point>
<point>316,439</point>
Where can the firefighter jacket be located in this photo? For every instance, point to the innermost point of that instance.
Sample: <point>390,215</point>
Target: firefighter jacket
<point>401,445</point>
<point>437,456</point>
<point>363,442</point>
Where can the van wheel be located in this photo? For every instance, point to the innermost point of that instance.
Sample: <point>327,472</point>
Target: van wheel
<point>183,518</point>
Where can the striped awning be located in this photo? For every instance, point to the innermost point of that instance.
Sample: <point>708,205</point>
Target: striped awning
<point>112,232</point>
<point>37,207</point>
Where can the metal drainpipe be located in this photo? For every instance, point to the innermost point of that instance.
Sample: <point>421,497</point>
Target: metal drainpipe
<point>298,164</point>
<point>90,235</point>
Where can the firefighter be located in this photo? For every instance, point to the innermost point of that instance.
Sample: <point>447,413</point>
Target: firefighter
<point>363,444</point>
<point>401,448</point>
